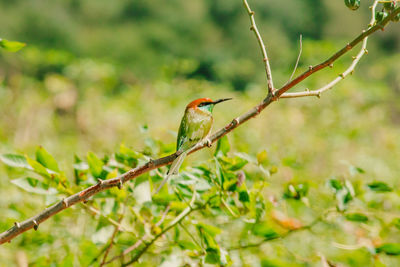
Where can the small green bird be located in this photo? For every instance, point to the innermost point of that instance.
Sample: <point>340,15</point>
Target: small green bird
<point>195,126</point>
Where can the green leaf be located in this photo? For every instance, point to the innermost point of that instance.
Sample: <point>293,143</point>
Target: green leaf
<point>265,231</point>
<point>209,241</point>
<point>127,156</point>
<point>380,187</point>
<point>262,157</point>
<point>335,184</point>
<point>356,217</point>
<point>244,196</point>
<point>184,244</point>
<point>178,206</point>
<point>46,159</point>
<point>11,46</point>
<point>396,223</point>
<point>15,160</point>
<point>33,185</point>
<point>210,229</point>
<point>212,257</point>
<point>230,185</point>
<point>296,191</point>
<point>38,168</point>
<point>95,164</point>
<point>237,163</point>
<point>223,147</point>
<point>390,248</point>
<point>352,4</point>
<point>353,170</point>
<point>291,162</point>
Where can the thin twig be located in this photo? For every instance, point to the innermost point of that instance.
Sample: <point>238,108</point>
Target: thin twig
<point>114,222</point>
<point>257,244</point>
<point>191,236</point>
<point>141,240</point>
<point>116,229</point>
<point>177,220</point>
<point>254,28</point>
<point>298,58</point>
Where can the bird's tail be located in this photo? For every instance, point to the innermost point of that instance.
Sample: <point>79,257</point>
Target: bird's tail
<point>173,170</point>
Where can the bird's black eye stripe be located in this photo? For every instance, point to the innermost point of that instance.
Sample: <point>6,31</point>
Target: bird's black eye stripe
<point>202,104</point>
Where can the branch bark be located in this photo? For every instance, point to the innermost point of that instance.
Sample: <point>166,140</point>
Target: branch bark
<point>254,28</point>
<point>102,185</point>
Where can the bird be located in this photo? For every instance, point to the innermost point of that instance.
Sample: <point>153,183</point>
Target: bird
<point>195,126</point>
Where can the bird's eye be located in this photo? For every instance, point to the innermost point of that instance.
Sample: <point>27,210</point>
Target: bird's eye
<point>204,104</point>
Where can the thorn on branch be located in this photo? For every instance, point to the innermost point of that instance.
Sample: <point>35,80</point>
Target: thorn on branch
<point>235,121</point>
<point>35,225</point>
<point>330,65</point>
<point>341,75</point>
<point>310,67</point>
<point>100,181</point>
<point>348,46</point>
<point>365,51</point>
<point>209,143</point>
<point>251,28</point>
<point>258,109</point>
<point>252,13</point>
<point>319,95</point>
<point>17,224</point>
<point>65,202</point>
<point>352,72</point>
<point>120,184</point>
<point>353,57</point>
<point>151,163</point>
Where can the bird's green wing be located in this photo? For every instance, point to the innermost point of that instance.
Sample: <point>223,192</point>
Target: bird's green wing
<point>182,133</point>
<point>192,130</point>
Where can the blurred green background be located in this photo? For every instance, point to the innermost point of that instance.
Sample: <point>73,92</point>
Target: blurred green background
<point>95,72</point>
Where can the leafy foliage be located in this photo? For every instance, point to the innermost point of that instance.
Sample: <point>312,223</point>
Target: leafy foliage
<point>11,46</point>
<point>225,193</point>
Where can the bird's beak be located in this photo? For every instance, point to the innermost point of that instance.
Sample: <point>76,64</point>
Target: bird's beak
<point>221,100</point>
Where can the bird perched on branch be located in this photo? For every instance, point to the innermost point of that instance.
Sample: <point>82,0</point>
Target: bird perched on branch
<point>195,126</point>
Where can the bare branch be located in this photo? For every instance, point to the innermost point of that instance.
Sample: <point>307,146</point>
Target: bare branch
<point>348,71</point>
<point>262,46</point>
<point>116,229</point>
<point>313,69</point>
